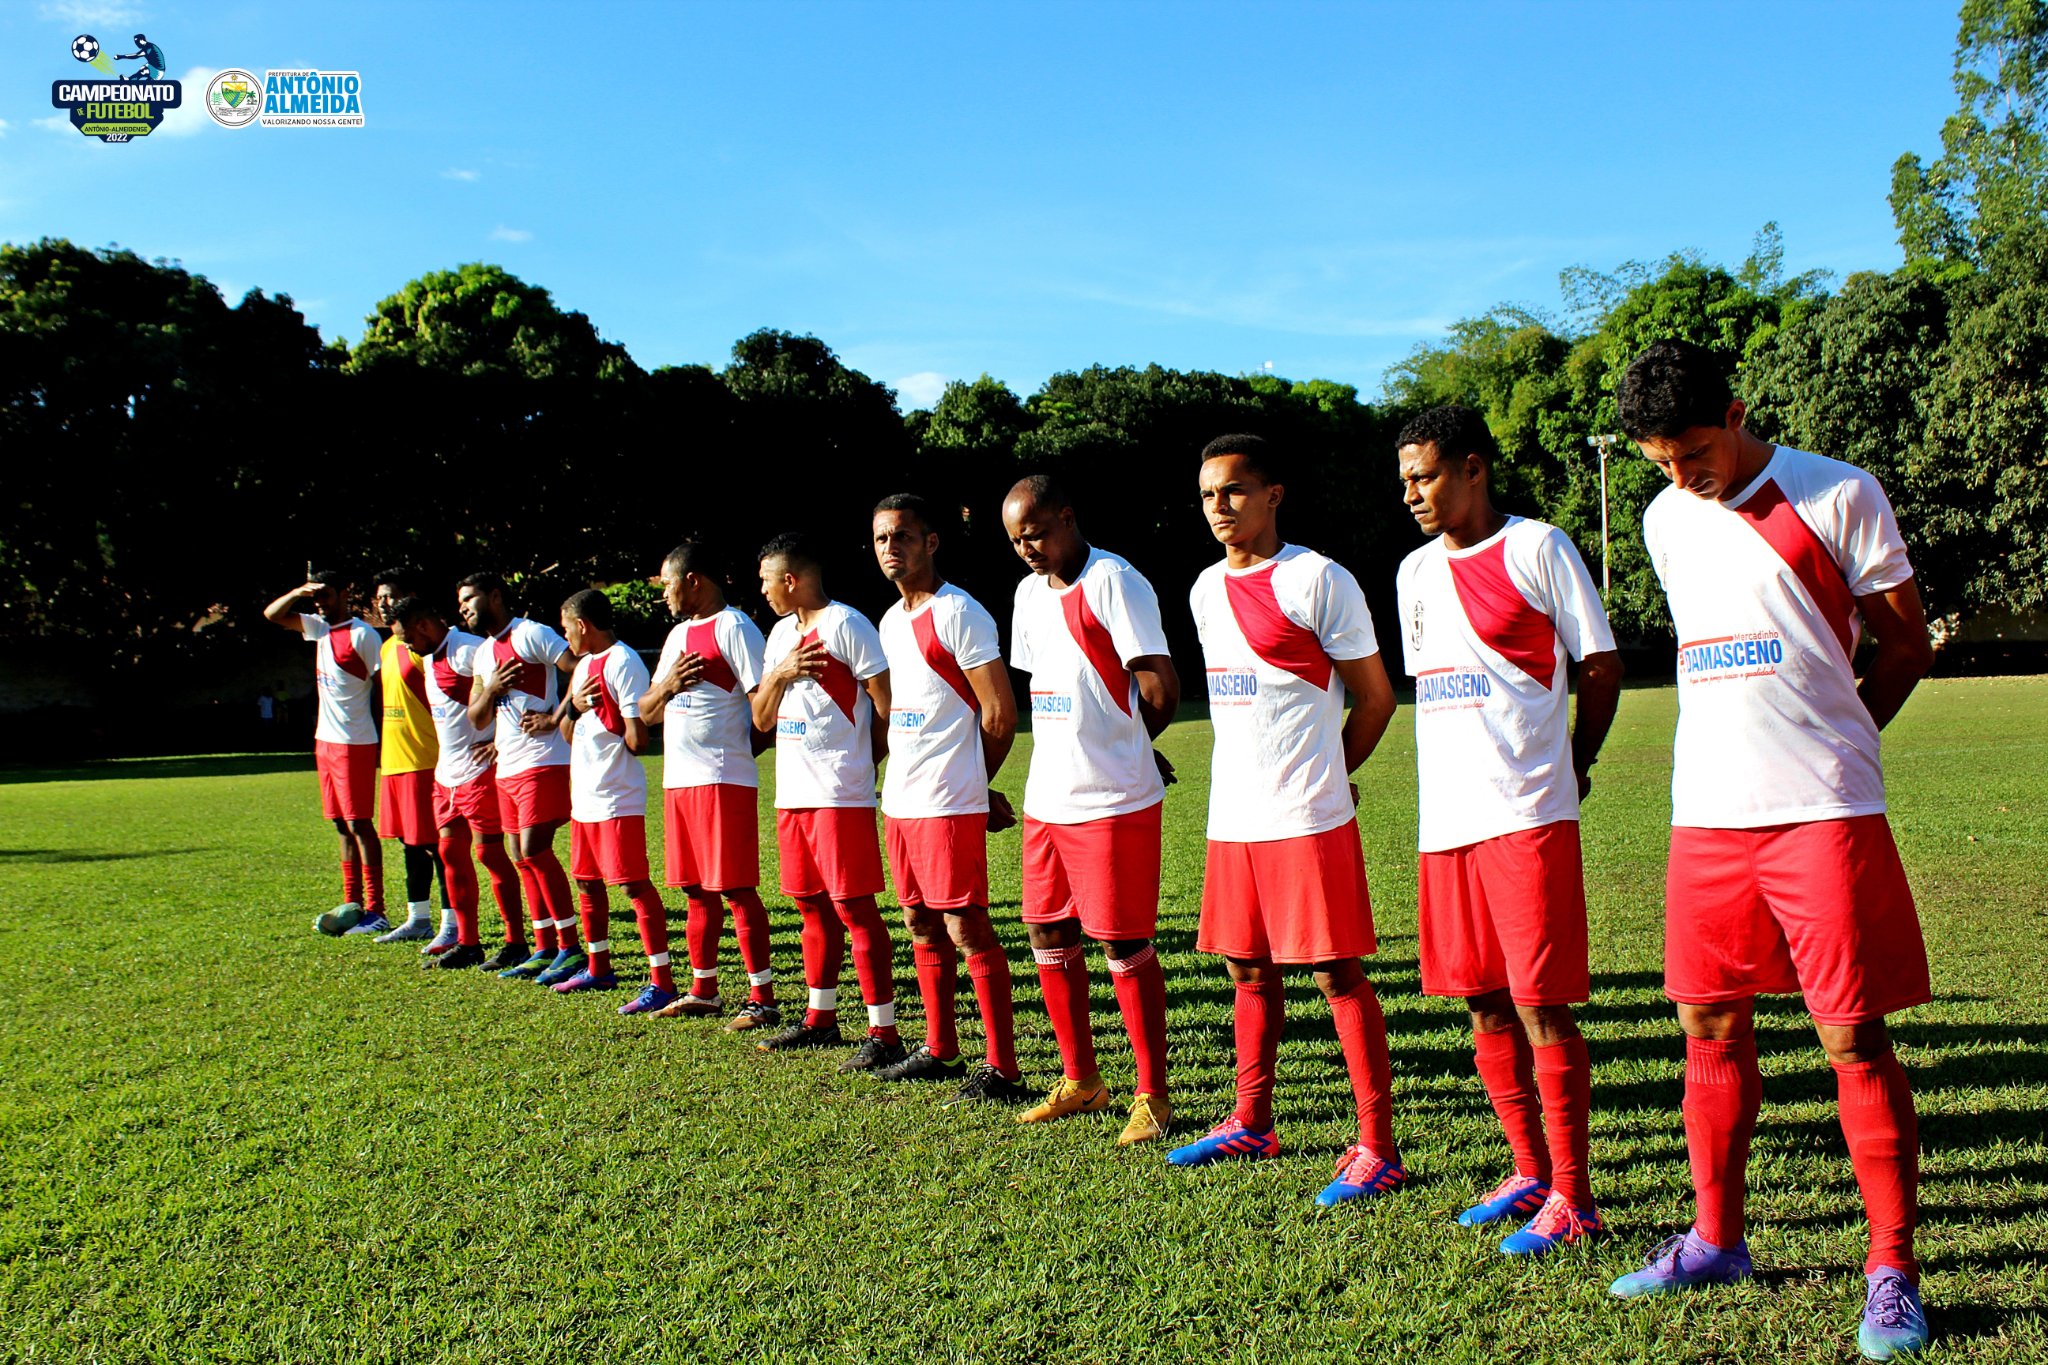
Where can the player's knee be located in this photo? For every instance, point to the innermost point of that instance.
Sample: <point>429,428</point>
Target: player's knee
<point>1548,1025</point>
<point>341,827</point>
<point>1060,933</point>
<point>1124,949</point>
<point>1492,1012</point>
<point>1252,971</point>
<point>1339,977</point>
<point>1852,1044</point>
<point>1721,1021</point>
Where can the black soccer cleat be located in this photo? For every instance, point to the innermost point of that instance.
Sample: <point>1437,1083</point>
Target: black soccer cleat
<point>921,1066</point>
<point>987,1083</point>
<point>801,1035</point>
<point>461,955</point>
<point>508,957</point>
<point>873,1054</point>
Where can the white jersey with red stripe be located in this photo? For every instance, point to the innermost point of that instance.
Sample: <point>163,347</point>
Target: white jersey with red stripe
<point>709,725</point>
<point>1763,591</point>
<point>824,729</point>
<point>935,760</point>
<point>606,780</point>
<point>1269,634</point>
<point>451,678</point>
<point>344,662</point>
<point>1091,757</point>
<point>1486,633</point>
<point>537,650</point>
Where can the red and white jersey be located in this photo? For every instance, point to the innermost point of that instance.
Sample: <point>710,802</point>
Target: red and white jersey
<point>344,662</point>
<point>1487,632</point>
<point>1269,634</point>
<point>605,778</point>
<point>451,677</point>
<point>710,724</point>
<point>1090,755</point>
<point>536,649</point>
<point>1763,591</point>
<point>824,730</point>
<point>935,760</point>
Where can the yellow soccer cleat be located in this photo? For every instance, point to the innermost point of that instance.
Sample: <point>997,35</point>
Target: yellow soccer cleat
<point>1151,1116</point>
<point>1068,1097</point>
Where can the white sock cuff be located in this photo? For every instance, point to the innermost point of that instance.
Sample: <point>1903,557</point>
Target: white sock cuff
<point>704,973</point>
<point>824,997</point>
<point>761,978</point>
<point>1057,957</point>
<point>563,923</point>
<point>657,960</point>
<point>1134,961</point>
<point>598,945</point>
<point>882,1015</point>
<point>419,909</point>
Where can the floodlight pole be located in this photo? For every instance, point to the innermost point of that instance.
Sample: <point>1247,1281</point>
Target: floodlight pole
<point>1602,444</point>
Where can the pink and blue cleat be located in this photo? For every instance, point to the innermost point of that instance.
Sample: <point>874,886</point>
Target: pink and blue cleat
<point>1556,1224</point>
<point>587,980</point>
<point>1362,1174</point>
<point>1894,1323</point>
<point>1681,1262</point>
<point>1516,1197</point>
<point>1227,1139</point>
<point>650,999</point>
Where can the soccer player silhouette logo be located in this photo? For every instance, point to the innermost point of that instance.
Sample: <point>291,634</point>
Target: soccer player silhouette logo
<point>150,55</point>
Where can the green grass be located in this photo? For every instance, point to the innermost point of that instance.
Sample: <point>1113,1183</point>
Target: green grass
<point>225,1138</point>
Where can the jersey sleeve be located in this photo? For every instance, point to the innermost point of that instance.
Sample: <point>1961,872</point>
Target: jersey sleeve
<point>1342,622</point>
<point>974,643</point>
<point>859,645</point>
<point>1129,608</point>
<point>314,628</point>
<point>370,645</point>
<point>1020,625</point>
<point>1867,546</point>
<point>1404,606</point>
<point>1195,602</point>
<point>542,642</point>
<point>1570,600</point>
<point>462,658</point>
<point>626,674</point>
<point>744,649</point>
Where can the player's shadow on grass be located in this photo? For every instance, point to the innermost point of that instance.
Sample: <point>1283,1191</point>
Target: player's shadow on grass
<point>132,769</point>
<point>48,856</point>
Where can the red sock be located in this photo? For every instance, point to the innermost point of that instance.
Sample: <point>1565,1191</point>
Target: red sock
<point>750,927</point>
<point>1723,1090</point>
<point>505,883</point>
<point>460,873</point>
<point>595,907</point>
<point>1564,1075</point>
<point>373,886</point>
<point>554,890</point>
<point>1507,1067</point>
<point>351,881</point>
<point>543,919</point>
<point>1063,977</point>
<point>824,945</point>
<point>1362,1030</point>
<point>1141,998</point>
<point>705,923</point>
<point>873,957</point>
<point>938,967</point>
<point>990,972</point>
<point>1260,1013</point>
<point>1884,1146</point>
<point>652,916</point>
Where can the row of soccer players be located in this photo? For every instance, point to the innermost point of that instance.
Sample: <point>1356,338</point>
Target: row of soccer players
<point>1783,875</point>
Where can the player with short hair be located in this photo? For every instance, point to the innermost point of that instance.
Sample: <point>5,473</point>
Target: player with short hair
<point>344,740</point>
<point>1086,627</point>
<point>465,786</point>
<point>518,691</point>
<point>952,719</point>
<point>1285,634</point>
<point>709,667</point>
<point>1783,874</point>
<point>410,751</point>
<point>1492,607</point>
<point>824,681</point>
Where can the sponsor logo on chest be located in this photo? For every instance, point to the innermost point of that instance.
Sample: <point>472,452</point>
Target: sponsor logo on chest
<point>1452,689</point>
<point>1052,706</point>
<point>1731,657</point>
<point>1232,686</point>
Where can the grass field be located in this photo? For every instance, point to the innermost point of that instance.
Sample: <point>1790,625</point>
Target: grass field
<point>225,1138</point>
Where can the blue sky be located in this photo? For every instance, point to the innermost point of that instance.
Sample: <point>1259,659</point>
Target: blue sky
<point>939,189</point>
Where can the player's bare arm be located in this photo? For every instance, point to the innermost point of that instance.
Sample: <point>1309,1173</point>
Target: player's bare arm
<point>1158,700</point>
<point>1599,695</point>
<point>807,660</point>
<point>1372,706</point>
<point>681,676</point>
<point>878,693</point>
<point>998,705</point>
<point>1904,654</point>
<point>284,611</point>
<point>483,701</point>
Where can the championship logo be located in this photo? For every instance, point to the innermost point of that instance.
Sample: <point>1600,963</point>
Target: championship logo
<point>234,98</point>
<point>119,108</point>
<point>1415,626</point>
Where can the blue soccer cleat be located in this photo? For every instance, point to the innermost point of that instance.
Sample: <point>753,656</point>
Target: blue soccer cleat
<point>1681,1262</point>
<point>1362,1174</point>
<point>568,962</point>
<point>368,924</point>
<point>587,980</point>
<point>650,999</point>
<point>1227,1139</point>
<point>1894,1323</point>
<point>1516,1197</point>
<point>1556,1224</point>
<point>541,960</point>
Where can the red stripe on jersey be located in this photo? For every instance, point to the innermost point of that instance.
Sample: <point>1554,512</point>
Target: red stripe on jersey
<point>1274,638</point>
<point>606,707</point>
<point>1501,616</point>
<point>1099,649</point>
<point>533,678</point>
<point>1778,522</point>
<point>454,686</point>
<point>411,674</point>
<point>837,679</point>
<point>941,659</point>
<point>702,640</point>
<point>341,643</point>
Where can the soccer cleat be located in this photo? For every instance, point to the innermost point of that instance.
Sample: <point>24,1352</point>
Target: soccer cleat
<point>528,968</point>
<point>1894,1323</point>
<point>1229,1138</point>
<point>1556,1224</point>
<point>873,1054</point>
<point>1068,1097</point>
<point>1683,1261</point>
<point>510,955</point>
<point>1515,1197</point>
<point>1150,1117</point>
<point>568,962</point>
<point>987,1083</point>
<point>586,980</point>
<point>651,1000</point>
<point>691,1007</point>
<point>1362,1174</point>
<point>442,942</point>
<point>371,924</point>
<point>754,1014</point>
<point>802,1035</point>
<point>461,955</point>
<point>921,1065</point>
<point>339,920</point>
<point>412,931</point>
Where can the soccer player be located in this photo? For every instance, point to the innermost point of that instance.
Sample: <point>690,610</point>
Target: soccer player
<point>824,681</point>
<point>517,689</point>
<point>1086,627</point>
<point>344,741</point>
<point>1491,607</point>
<point>465,785</point>
<point>410,751</point>
<point>709,667</point>
<point>952,719</point>
<point>1783,874</point>
<point>1285,634</point>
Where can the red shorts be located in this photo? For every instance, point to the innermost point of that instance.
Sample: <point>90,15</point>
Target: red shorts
<point>1103,872</point>
<point>1291,900</point>
<point>408,813</point>
<point>474,803</point>
<point>348,779</point>
<point>1507,913</point>
<point>713,836</point>
<point>940,861</point>
<point>538,796</point>
<point>613,851</point>
<point>1820,908</point>
<point>829,851</point>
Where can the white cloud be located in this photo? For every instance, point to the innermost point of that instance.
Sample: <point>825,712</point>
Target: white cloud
<point>190,115</point>
<point>454,174</point>
<point>56,123</point>
<point>920,390</point>
<point>501,233</point>
<point>84,12</point>
<point>3,127</point>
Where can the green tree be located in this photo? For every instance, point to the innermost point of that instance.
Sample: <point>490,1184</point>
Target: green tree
<point>481,321</point>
